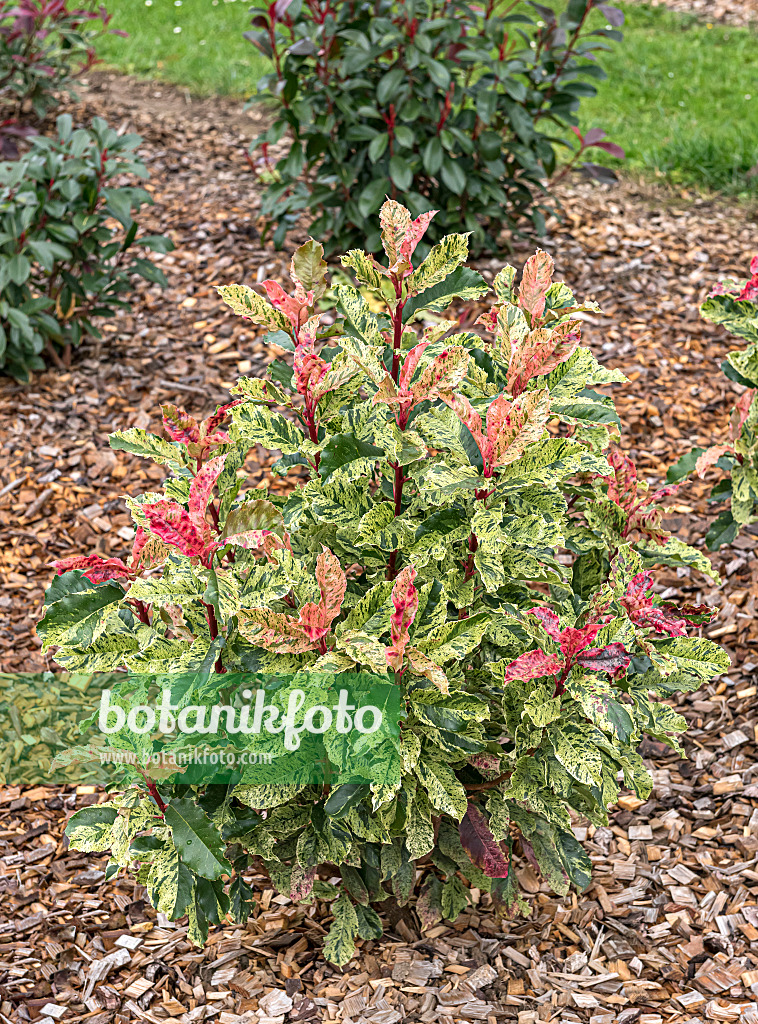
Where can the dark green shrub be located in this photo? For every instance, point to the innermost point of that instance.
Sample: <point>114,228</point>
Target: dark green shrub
<point>734,305</point>
<point>44,45</point>
<point>455,106</point>
<point>63,263</point>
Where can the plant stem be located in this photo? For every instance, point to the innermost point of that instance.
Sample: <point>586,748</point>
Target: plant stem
<point>210,614</point>
<point>487,785</point>
<point>153,791</point>
<point>397,488</point>
<point>141,609</point>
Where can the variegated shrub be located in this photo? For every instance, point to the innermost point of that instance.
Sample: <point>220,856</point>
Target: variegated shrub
<point>734,305</point>
<point>468,531</point>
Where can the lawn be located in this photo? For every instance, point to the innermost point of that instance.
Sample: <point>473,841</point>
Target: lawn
<point>682,99</point>
<point>193,43</point>
<point>681,96</point>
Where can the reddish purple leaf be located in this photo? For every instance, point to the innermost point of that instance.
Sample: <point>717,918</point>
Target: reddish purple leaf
<point>480,844</point>
<point>610,659</point>
<point>609,147</point>
<point>593,136</point>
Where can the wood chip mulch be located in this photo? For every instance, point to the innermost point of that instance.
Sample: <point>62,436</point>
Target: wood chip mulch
<point>668,931</point>
<point>741,13</point>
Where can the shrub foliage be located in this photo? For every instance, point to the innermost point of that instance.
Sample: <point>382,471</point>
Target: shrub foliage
<point>734,305</point>
<point>44,46</point>
<point>62,263</point>
<point>454,105</point>
<point>468,531</point>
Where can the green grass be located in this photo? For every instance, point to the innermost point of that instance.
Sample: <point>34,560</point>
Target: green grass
<point>208,56</point>
<point>681,98</point>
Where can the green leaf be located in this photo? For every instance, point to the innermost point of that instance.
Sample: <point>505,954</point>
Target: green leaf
<point>196,838</point>
<point>339,946</point>
<point>257,424</point>
<point>463,283</point>
<point>149,446</point>
<point>445,792</point>
<point>342,449</point>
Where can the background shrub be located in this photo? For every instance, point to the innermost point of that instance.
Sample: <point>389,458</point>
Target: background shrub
<point>63,262</point>
<point>44,45</point>
<point>734,305</point>
<point>451,540</point>
<point>455,105</point>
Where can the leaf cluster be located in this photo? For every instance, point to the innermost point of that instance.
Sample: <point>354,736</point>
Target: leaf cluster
<point>64,263</point>
<point>44,46</point>
<point>468,533</point>
<point>734,305</point>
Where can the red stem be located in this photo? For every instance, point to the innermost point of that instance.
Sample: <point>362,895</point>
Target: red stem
<point>397,488</point>
<point>210,614</point>
<point>153,791</point>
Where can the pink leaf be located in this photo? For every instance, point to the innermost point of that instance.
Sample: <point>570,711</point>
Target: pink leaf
<point>540,352</point>
<point>411,362</point>
<point>95,568</point>
<point>622,486</point>
<point>317,618</point>
<point>532,665</point>
<point>611,148</point>
<point>593,136</point>
<point>535,281</point>
<point>575,640</point>
<point>201,488</point>
<point>405,603</point>
<point>710,457</point>
<point>179,425</point>
<point>740,414</point>
<point>213,422</point>
<point>415,233</point>
<point>480,844</point>
<point>174,525</point>
<point>511,426</point>
<point>549,620</point>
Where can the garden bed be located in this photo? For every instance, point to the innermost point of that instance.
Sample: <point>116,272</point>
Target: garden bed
<point>673,907</point>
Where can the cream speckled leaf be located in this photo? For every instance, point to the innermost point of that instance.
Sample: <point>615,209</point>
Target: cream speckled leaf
<point>259,390</point>
<point>257,424</point>
<point>410,750</point>
<point>364,649</point>
<point>441,261</point>
<point>364,269</point>
<point>90,829</point>
<point>169,883</point>
<point>358,314</point>
<point>339,947</point>
<point>245,302</point>
<point>262,797</point>
<point>454,640</point>
<point>576,751</point>
<point>499,820</point>
<point>444,790</point>
<point>149,446</point>
<point>419,838</point>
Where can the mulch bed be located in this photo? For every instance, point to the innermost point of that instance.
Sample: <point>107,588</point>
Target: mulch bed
<point>669,929</point>
<point>733,12</point>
